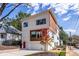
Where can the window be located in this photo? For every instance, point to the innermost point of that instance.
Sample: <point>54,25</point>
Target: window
<point>0,25</point>
<point>35,35</point>
<point>41,21</point>
<point>25,24</point>
<point>2,36</point>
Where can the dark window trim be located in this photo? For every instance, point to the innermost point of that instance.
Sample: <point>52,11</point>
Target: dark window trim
<point>35,39</point>
<point>41,21</point>
<point>25,24</point>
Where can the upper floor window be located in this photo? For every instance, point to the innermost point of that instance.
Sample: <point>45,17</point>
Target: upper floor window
<point>25,24</point>
<point>41,21</point>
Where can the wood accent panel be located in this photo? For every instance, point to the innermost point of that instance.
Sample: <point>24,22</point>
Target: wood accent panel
<point>53,24</point>
<point>43,31</point>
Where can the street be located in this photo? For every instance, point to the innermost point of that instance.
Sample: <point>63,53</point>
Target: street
<point>76,50</point>
<point>71,51</point>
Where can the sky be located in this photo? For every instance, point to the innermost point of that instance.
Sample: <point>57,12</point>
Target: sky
<point>67,14</point>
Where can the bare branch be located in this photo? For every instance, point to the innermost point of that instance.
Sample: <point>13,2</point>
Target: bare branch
<point>10,12</point>
<point>2,8</point>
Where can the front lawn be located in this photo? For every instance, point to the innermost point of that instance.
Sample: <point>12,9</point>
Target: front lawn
<point>62,53</point>
<point>43,54</point>
<point>59,52</point>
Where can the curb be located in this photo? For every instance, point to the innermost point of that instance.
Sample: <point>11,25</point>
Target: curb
<point>9,50</point>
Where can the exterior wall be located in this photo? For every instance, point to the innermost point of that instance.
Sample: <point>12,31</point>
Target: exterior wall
<point>54,30</point>
<point>55,40</point>
<point>50,23</point>
<point>51,35</point>
<point>2,39</point>
<point>8,36</point>
<point>12,36</point>
<point>32,26</point>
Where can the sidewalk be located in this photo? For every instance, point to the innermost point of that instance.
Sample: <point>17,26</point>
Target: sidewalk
<point>17,52</point>
<point>70,52</point>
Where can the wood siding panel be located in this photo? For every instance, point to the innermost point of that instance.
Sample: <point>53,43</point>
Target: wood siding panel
<point>53,25</point>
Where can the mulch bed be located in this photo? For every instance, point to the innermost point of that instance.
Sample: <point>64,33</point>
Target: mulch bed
<point>43,54</point>
<point>7,47</point>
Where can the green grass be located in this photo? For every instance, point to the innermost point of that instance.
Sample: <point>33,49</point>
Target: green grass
<point>62,53</point>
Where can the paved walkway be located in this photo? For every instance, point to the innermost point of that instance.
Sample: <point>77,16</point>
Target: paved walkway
<point>71,52</point>
<point>17,52</point>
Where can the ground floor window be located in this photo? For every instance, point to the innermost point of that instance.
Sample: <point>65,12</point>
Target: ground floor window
<point>2,35</point>
<point>35,35</point>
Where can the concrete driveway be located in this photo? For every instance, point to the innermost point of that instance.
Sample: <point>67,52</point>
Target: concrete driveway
<point>17,52</point>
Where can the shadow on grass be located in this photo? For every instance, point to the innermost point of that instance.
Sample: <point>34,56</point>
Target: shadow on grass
<point>48,54</point>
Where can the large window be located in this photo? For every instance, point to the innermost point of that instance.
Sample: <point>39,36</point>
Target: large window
<point>35,35</point>
<point>41,21</point>
<point>25,24</point>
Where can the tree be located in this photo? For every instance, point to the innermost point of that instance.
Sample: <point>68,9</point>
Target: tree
<point>63,36</point>
<point>4,6</point>
<point>17,22</point>
<point>22,15</point>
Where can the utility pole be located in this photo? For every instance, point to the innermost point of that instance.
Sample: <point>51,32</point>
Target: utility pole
<point>70,40</point>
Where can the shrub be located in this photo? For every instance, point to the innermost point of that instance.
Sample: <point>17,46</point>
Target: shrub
<point>11,42</point>
<point>62,53</point>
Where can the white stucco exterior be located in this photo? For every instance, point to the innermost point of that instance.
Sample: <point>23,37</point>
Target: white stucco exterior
<point>35,45</point>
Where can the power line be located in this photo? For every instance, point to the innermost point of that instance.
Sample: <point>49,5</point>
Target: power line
<point>76,25</point>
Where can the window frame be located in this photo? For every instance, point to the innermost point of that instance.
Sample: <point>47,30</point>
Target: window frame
<point>41,21</point>
<point>38,35</point>
<point>2,36</point>
<point>25,24</point>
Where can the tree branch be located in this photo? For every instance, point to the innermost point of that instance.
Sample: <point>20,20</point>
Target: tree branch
<point>10,12</point>
<point>2,8</point>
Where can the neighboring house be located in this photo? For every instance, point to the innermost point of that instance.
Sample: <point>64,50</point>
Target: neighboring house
<point>37,26</point>
<point>9,33</point>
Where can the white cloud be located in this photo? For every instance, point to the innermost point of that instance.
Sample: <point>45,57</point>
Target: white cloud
<point>76,6</point>
<point>62,8</point>
<point>70,30</point>
<point>33,13</point>
<point>77,13</point>
<point>36,7</point>
<point>66,19</point>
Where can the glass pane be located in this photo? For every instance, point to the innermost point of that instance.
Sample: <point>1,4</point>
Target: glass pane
<point>44,21</point>
<point>41,21</point>
<point>33,34</point>
<point>25,24</point>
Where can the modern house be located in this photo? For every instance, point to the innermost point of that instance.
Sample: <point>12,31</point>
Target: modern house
<point>40,31</point>
<point>9,33</point>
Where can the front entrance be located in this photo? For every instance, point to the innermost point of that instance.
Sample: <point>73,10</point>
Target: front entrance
<point>24,44</point>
